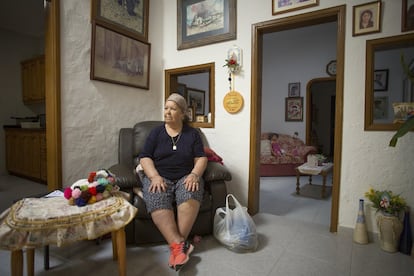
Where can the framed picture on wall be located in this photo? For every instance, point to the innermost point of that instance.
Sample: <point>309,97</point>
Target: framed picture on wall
<point>191,113</point>
<point>407,22</point>
<point>294,109</point>
<point>129,17</point>
<point>380,108</point>
<point>118,58</point>
<point>200,23</point>
<point>196,99</point>
<point>294,89</point>
<point>366,18</point>
<point>381,80</point>
<point>282,6</point>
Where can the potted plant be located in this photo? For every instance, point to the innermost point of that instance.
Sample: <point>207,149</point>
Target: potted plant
<point>389,207</point>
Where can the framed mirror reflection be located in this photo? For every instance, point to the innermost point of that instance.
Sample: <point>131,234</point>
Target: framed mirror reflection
<point>196,84</point>
<point>387,85</point>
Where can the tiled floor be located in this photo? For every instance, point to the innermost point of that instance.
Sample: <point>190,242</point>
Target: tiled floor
<point>294,242</point>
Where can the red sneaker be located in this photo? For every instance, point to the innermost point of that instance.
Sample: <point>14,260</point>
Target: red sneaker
<point>180,254</point>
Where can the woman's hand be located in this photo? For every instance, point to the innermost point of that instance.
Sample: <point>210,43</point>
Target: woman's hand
<point>157,185</point>
<point>191,182</point>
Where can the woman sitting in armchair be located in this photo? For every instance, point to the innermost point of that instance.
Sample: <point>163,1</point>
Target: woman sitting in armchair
<point>173,160</point>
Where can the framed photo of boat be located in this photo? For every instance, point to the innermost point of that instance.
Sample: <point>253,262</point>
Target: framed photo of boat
<point>205,22</point>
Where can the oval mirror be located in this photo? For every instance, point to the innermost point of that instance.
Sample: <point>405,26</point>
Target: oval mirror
<point>387,86</point>
<point>196,84</point>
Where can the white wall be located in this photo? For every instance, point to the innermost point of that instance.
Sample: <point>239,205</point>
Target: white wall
<point>93,111</point>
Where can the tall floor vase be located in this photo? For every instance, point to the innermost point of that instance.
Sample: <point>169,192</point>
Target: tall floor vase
<point>390,228</point>
<point>406,240</point>
<point>360,231</point>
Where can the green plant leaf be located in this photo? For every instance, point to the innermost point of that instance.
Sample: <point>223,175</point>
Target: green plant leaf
<point>405,127</point>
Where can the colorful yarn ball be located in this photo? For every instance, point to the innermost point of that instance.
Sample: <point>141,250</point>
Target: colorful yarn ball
<point>91,177</point>
<point>76,193</point>
<point>67,193</point>
<point>99,197</point>
<point>80,202</point>
<point>100,188</point>
<point>92,190</point>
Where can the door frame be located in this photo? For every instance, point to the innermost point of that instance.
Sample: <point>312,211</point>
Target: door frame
<point>334,14</point>
<point>52,95</point>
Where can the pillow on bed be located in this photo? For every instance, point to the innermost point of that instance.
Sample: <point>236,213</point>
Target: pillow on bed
<point>265,147</point>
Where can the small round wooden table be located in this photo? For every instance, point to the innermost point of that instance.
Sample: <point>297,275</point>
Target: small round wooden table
<point>38,222</point>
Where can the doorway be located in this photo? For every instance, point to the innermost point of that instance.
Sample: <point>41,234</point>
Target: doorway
<point>322,16</point>
<point>320,118</point>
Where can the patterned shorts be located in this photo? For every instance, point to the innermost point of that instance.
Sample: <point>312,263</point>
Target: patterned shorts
<point>176,193</point>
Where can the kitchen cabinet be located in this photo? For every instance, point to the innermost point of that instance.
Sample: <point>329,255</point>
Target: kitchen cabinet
<point>26,153</point>
<point>33,80</point>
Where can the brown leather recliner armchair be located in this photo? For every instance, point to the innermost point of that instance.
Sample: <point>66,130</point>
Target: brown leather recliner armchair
<point>142,229</point>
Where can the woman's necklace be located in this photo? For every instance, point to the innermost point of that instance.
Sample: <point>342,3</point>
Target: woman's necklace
<point>175,142</point>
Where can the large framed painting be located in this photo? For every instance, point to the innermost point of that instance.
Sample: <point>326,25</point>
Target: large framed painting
<point>205,22</point>
<point>125,16</point>
<point>282,6</point>
<point>118,58</point>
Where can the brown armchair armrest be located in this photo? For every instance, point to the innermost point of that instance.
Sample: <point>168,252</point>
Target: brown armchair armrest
<point>125,177</point>
<point>215,172</point>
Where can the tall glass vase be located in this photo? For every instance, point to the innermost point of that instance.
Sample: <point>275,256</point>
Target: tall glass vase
<point>360,231</point>
<point>406,240</point>
<point>390,228</point>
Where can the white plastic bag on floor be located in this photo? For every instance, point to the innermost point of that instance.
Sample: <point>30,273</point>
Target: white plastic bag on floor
<point>234,228</point>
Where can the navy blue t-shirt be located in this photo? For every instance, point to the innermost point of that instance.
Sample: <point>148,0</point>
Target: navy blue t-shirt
<point>173,164</point>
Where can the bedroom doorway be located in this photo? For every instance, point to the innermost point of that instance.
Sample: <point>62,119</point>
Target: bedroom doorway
<point>335,14</point>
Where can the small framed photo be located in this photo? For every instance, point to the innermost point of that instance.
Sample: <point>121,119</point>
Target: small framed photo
<point>294,89</point>
<point>407,23</point>
<point>366,18</point>
<point>282,6</point>
<point>196,98</point>
<point>202,22</point>
<point>191,113</point>
<point>294,109</point>
<point>381,80</point>
<point>380,108</point>
<point>128,17</point>
<point>118,58</point>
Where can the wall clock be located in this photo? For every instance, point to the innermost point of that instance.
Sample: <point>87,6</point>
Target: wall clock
<point>331,68</point>
<point>233,102</point>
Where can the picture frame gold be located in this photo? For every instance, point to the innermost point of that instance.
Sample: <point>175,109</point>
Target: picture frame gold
<point>123,16</point>
<point>133,69</point>
<point>199,23</point>
<point>366,18</point>
<point>283,6</point>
